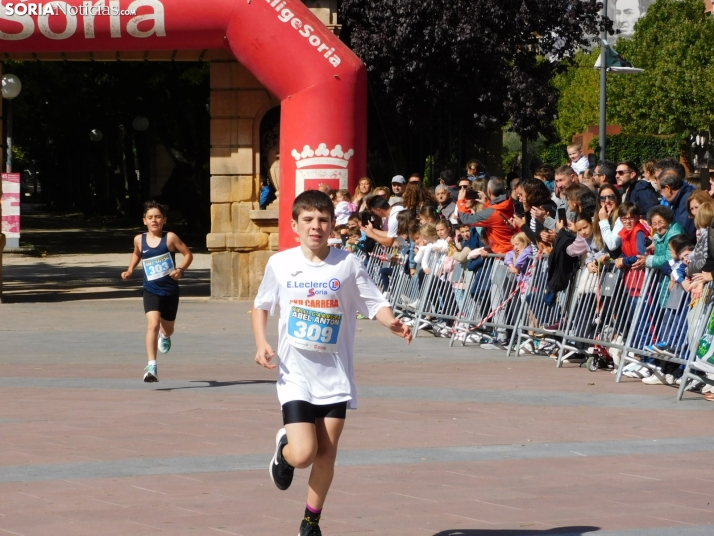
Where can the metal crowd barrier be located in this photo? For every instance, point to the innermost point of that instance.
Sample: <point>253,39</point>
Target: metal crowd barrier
<point>601,308</point>
<point>492,301</point>
<point>699,335</point>
<point>542,313</point>
<point>380,258</point>
<point>658,316</point>
<point>436,305</point>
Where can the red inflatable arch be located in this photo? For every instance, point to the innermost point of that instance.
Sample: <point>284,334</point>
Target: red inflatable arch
<point>319,81</point>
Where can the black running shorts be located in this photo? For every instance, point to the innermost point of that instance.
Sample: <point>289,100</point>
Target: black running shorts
<point>300,411</point>
<point>167,306</point>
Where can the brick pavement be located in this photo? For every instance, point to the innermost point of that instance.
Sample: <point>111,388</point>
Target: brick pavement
<point>445,442</point>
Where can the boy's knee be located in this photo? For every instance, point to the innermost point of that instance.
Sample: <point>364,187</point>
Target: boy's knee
<point>302,456</point>
<point>154,325</point>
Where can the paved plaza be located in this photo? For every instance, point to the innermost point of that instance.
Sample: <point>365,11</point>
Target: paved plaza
<point>446,441</point>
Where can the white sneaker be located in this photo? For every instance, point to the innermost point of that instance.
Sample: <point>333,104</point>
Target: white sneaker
<point>414,304</point>
<point>655,379</point>
<point>408,321</point>
<point>526,348</point>
<point>492,346</point>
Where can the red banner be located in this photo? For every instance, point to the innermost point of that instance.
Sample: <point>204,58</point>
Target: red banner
<point>321,83</point>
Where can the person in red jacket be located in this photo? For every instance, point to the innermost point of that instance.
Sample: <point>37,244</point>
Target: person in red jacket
<point>495,218</point>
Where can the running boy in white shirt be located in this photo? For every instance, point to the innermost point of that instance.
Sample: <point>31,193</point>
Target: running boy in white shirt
<point>319,289</point>
<point>156,250</point>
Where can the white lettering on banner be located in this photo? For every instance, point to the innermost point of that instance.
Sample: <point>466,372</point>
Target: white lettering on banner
<point>142,24</point>
<point>286,15</point>
<point>43,22</point>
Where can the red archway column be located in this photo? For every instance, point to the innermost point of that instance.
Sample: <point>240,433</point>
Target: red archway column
<point>323,93</point>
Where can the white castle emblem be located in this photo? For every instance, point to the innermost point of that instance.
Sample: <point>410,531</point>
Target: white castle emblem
<point>321,165</point>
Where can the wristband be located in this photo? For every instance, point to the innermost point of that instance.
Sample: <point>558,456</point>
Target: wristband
<point>181,270</point>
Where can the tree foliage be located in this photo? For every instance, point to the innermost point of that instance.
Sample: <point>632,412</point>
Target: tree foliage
<point>673,43</point>
<point>62,102</point>
<point>579,102</point>
<point>482,59</point>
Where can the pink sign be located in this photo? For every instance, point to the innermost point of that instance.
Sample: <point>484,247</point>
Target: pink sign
<point>11,205</point>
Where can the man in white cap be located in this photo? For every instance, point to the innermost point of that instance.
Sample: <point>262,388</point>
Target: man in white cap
<point>398,183</point>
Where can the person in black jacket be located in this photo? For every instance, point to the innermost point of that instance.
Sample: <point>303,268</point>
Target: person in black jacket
<point>639,192</point>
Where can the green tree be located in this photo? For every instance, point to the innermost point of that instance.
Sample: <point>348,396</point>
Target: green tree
<point>673,43</point>
<point>579,102</point>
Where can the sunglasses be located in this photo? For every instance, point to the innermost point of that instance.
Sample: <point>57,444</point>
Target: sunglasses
<point>464,187</point>
<point>627,218</point>
<point>610,197</point>
<point>622,171</point>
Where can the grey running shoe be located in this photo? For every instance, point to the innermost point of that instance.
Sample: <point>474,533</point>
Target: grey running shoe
<point>281,472</point>
<point>151,374</point>
<point>164,344</point>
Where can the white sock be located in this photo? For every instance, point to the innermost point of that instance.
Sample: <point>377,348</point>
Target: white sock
<point>161,334</point>
<point>152,363</point>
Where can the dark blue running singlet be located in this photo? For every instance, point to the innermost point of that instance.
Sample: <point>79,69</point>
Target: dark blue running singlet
<point>158,263</point>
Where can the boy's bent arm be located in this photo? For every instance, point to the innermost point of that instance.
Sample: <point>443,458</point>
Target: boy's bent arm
<point>259,319</point>
<point>135,258</point>
<point>177,243</point>
<point>385,316</point>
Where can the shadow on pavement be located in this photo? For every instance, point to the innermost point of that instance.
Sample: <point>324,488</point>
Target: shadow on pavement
<point>47,283</point>
<point>560,531</point>
<point>213,384</point>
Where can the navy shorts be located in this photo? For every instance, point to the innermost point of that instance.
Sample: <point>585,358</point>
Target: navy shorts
<point>300,411</point>
<point>167,306</point>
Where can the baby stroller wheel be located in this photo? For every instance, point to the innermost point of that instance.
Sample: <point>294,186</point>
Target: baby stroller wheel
<point>593,363</point>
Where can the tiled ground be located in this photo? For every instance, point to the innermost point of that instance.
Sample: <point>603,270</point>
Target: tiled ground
<point>445,442</point>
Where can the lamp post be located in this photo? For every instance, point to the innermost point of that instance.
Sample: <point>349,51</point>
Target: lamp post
<point>604,48</point>
<point>11,87</point>
<point>611,61</point>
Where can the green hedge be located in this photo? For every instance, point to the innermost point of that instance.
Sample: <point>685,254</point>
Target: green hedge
<point>556,155</point>
<point>640,148</point>
<point>636,147</point>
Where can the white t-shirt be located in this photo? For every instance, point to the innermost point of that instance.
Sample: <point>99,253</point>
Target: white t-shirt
<point>581,165</point>
<point>392,225</point>
<point>316,332</point>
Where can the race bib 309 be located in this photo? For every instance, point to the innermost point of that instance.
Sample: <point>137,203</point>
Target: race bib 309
<point>316,331</point>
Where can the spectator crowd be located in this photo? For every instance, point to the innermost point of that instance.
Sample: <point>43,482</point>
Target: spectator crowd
<point>631,217</point>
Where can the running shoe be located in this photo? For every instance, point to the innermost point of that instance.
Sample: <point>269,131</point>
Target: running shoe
<point>164,344</point>
<point>309,530</point>
<point>281,472</point>
<point>151,374</point>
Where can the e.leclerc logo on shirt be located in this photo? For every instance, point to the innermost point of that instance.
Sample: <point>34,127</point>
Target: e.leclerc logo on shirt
<point>316,288</point>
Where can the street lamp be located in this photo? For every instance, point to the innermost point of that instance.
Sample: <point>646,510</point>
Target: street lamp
<point>11,87</point>
<point>609,60</point>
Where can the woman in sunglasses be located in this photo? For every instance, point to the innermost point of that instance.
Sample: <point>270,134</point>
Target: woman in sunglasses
<point>607,222</point>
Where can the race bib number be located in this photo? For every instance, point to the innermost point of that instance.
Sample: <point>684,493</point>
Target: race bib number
<point>316,331</point>
<point>158,267</point>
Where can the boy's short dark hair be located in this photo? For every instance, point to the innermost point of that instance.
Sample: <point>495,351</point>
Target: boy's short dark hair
<point>628,209</point>
<point>158,206</point>
<point>682,242</point>
<point>313,200</point>
<point>354,232</point>
<point>472,195</point>
<point>378,202</point>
